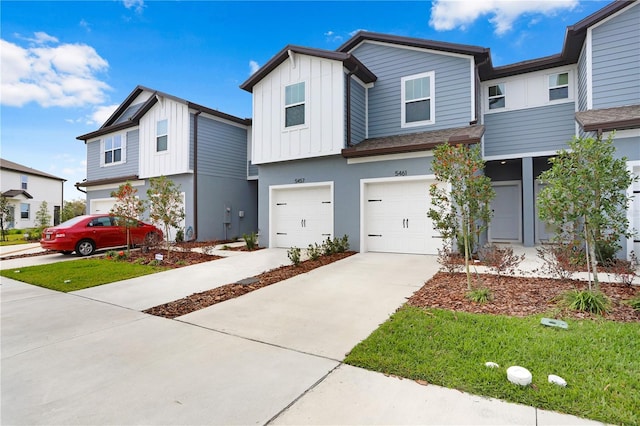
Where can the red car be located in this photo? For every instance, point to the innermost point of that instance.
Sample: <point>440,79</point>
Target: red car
<point>88,233</point>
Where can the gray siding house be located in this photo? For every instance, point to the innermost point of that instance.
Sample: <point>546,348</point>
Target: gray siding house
<point>202,150</point>
<point>343,140</point>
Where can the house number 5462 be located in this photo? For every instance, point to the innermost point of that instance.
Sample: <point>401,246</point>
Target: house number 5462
<point>401,172</point>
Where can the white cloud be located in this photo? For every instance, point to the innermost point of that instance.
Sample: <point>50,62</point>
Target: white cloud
<point>101,114</point>
<point>253,67</point>
<point>84,24</point>
<point>332,36</point>
<point>136,5</point>
<point>451,14</point>
<point>51,74</point>
<point>354,32</point>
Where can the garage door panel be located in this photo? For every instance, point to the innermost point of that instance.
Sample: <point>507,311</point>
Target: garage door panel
<point>301,216</point>
<point>395,218</point>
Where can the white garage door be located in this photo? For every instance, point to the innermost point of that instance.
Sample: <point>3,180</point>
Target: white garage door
<point>101,206</point>
<point>636,212</point>
<point>301,215</point>
<point>395,217</point>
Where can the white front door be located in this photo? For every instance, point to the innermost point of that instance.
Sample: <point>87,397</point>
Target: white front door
<point>394,218</point>
<point>301,215</point>
<point>506,224</point>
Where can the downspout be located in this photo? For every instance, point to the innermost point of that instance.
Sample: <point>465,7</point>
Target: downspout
<point>348,112</point>
<point>195,174</point>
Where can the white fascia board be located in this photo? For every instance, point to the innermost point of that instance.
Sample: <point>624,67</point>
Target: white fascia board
<point>116,185</point>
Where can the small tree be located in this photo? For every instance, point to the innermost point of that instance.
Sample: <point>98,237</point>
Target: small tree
<point>165,204</point>
<point>462,211</point>
<point>5,216</point>
<point>43,217</point>
<point>72,209</point>
<point>585,197</point>
<point>127,208</point>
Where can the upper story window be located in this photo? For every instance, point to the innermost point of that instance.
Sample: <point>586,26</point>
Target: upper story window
<point>417,99</point>
<point>161,135</point>
<point>559,86</point>
<point>496,96</point>
<point>113,150</point>
<point>23,182</point>
<point>25,209</point>
<point>294,100</point>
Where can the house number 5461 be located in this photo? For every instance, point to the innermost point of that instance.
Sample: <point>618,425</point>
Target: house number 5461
<point>401,172</point>
<point>298,180</point>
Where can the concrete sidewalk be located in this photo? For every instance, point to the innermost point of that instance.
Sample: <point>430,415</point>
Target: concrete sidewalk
<point>271,356</point>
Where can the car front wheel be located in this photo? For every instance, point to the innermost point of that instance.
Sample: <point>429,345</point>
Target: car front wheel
<point>85,248</point>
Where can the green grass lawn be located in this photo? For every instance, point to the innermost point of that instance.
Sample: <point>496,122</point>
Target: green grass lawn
<point>14,239</point>
<point>600,360</point>
<point>79,274</point>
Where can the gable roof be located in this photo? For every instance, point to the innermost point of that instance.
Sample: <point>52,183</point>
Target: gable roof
<point>573,41</point>
<point>480,54</point>
<point>133,116</point>
<point>349,61</point>
<point>15,167</point>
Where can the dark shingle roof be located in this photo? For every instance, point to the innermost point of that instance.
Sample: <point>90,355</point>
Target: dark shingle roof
<point>415,141</point>
<point>619,118</point>
<point>13,192</point>
<point>10,165</point>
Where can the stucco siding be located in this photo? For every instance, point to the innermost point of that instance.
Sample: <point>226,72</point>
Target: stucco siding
<point>452,105</point>
<point>531,130</point>
<point>616,60</point>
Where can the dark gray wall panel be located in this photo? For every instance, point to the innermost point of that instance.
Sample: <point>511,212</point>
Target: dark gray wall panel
<point>130,167</point>
<point>222,149</point>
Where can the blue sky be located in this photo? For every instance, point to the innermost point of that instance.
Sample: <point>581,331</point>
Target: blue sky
<point>66,65</point>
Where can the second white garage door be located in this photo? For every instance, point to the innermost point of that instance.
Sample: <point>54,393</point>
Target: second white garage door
<point>301,215</point>
<point>395,218</point>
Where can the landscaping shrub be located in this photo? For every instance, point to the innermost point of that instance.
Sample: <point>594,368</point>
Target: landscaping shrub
<point>500,260</point>
<point>179,236</point>
<point>635,303</point>
<point>448,260</point>
<point>314,251</point>
<point>251,240</point>
<point>587,301</point>
<point>606,252</point>
<point>294,255</point>
<point>480,295</point>
<point>555,261</point>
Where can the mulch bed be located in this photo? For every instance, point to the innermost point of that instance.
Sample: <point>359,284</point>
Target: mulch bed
<point>520,296</point>
<point>176,259</point>
<point>220,294</point>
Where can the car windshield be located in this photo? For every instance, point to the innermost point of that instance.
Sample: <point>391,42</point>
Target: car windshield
<point>72,221</point>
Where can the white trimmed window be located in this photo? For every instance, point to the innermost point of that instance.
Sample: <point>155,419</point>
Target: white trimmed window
<point>162,135</point>
<point>294,105</point>
<point>418,93</point>
<point>559,86</point>
<point>24,180</point>
<point>113,150</point>
<point>25,210</point>
<point>496,96</point>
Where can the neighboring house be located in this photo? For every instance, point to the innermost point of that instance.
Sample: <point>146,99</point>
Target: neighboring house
<point>343,139</point>
<point>202,150</point>
<point>26,189</point>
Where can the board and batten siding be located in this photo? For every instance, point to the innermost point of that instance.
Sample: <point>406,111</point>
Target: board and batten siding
<point>530,130</point>
<point>175,160</point>
<point>323,131</point>
<point>222,149</point>
<point>358,112</point>
<point>616,60</point>
<point>453,87</point>
<point>130,167</point>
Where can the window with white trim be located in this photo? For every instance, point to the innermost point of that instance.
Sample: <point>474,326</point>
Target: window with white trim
<point>559,86</point>
<point>113,150</point>
<point>24,180</point>
<point>496,96</point>
<point>417,99</point>
<point>294,105</point>
<point>25,210</point>
<point>162,135</point>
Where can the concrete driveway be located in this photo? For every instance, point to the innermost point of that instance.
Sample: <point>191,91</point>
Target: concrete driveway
<point>271,356</point>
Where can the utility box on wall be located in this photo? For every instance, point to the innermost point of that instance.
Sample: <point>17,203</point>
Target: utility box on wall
<point>227,214</point>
